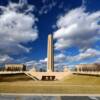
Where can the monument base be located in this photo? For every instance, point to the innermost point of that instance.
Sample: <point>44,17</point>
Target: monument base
<point>48,75</point>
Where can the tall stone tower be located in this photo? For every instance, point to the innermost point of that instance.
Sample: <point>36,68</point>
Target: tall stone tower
<point>50,62</point>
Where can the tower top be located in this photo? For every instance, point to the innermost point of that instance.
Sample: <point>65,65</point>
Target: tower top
<point>50,35</point>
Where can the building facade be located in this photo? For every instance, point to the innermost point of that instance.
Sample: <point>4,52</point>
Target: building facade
<point>15,67</point>
<point>88,67</point>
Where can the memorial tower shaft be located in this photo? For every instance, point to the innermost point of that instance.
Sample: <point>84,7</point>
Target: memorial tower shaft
<point>50,54</point>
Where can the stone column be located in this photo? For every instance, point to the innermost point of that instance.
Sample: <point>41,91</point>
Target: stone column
<point>50,62</point>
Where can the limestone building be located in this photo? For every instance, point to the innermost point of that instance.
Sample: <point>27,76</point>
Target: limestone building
<point>88,67</point>
<point>15,67</point>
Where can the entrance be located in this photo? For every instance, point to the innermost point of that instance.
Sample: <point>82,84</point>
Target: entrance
<point>48,78</point>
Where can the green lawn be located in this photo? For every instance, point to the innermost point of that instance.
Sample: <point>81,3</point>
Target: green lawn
<point>69,85</point>
<point>83,80</point>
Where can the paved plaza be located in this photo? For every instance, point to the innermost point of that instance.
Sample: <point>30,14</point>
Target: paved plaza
<point>49,98</point>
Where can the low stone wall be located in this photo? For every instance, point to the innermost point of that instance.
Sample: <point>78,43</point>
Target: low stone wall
<point>88,73</point>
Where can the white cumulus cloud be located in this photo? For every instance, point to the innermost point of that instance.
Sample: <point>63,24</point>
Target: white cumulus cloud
<point>17,26</point>
<point>5,59</point>
<point>77,28</point>
<point>88,54</point>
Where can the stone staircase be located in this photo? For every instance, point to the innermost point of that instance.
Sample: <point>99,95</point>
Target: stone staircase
<point>31,76</point>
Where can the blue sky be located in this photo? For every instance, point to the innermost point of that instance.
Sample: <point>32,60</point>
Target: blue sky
<point>25,25</point>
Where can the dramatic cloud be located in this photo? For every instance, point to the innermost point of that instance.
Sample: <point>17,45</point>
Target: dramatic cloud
<point>81,29</point>
<point>97,61</point>
<point>88,54</point>
<point>43,60</point>
<point>82,56</point>
<point>5,59</point>
<point>61,60</point>
<point>77,28</point>
<point>39,64</point>
<point>17,26</point>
